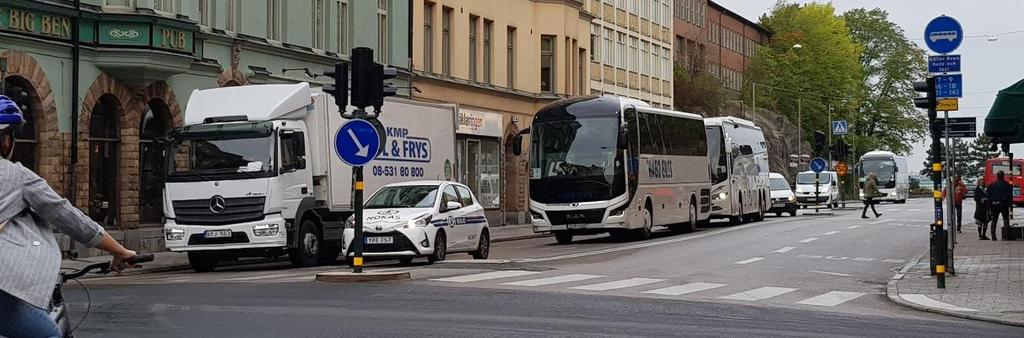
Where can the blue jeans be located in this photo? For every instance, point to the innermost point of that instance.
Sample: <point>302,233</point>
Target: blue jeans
<point>20,319</point>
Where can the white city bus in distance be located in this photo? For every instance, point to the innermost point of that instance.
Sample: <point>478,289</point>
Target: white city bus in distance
<point>892,172</point>
<point>609,164</point>
<point>739,169</point>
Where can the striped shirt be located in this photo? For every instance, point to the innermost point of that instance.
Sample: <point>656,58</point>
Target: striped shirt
<point>29,254</point>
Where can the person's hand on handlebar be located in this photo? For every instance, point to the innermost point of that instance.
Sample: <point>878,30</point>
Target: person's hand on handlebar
<point>119,263</point>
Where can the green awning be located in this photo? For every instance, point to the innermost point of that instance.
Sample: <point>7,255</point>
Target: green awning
<point>1005,121</point>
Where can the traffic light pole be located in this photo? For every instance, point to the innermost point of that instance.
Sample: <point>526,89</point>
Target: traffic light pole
<point>357,200</point>
<point>951,197</point>
<point>939,230</point>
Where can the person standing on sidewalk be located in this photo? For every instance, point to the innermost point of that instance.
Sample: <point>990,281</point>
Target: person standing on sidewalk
<point>981,209</point>
<point>1000,195</point>
<point>959,194</point>
<point>870,190</point>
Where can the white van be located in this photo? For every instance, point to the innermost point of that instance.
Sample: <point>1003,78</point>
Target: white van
<point>828,190</point>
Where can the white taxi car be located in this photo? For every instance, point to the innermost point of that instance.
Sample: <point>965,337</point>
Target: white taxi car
<point>421,218</point>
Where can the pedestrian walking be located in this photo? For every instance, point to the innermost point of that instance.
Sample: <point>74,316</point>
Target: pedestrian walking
<point>981,209</point>
<point>1000,195</point>
<point>959,194</point>
<point>870,191</point>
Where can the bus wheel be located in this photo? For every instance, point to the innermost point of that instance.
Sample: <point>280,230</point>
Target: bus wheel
<point>645,231</point>
<point>738,219</point>
<point>563,237</point>
<point>691,226</point>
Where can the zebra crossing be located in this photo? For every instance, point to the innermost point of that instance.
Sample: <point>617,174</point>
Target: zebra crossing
<point>649,287</point>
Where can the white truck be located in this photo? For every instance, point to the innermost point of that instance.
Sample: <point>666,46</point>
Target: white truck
<point>254,172</point>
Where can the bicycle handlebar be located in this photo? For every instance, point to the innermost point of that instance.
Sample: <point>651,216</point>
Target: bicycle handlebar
<point>105,266</point>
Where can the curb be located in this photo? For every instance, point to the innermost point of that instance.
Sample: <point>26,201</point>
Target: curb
<point>349,277</point>
<point>519,238</point>
<point>892,292</point>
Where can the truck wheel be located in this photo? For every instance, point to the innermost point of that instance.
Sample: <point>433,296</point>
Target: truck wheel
<point>307,252</point>
<point>483,249</point>
<point>202,261</point>
<point>563,237</point>
<point>440,248</point>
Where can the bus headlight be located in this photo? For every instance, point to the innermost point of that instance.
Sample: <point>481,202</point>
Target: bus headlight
<point>619,211</point>
<point>536,215</point>
<point>792,198</point>
<point>723,196</point>
<point>174,234</point>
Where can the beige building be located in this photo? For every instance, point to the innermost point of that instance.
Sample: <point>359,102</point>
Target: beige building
<point>632,49</point>
<point>500,61</point>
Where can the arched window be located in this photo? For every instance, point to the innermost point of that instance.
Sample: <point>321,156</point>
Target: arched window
<point>103,161</point>
<point>156,122</point>
<point>26,151</point>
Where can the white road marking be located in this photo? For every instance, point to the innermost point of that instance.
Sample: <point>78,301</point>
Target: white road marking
<point>759,293</point>
<point>831,273</point>
<point>854,226</point>
<point>808,240</point>
<point>685,289</point>
<point>749,260</point>
<point>619,284</point>
<point>882,221</point>
<point>831,299</point>
<point>785,249</point>
<point>552,280</point>
<point>896,209</point>
<point>923,300</point>
<point>831,233</point>
<point>486,276</point>
<point>239,279</point>
<point>912,210</point>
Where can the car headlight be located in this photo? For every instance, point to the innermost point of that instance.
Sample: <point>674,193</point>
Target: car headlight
<point>792,198</point>
<point>174,234</point>
<point>350,223</point>
<point>265,230</point>
<point>421,222</point>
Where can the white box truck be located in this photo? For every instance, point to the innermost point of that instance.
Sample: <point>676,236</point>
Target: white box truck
<point>254,171</point>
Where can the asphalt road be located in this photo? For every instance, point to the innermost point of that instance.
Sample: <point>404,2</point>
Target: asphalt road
<point>789,276</point>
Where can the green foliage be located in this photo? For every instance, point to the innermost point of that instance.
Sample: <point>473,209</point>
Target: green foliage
<point>968,157</point>
<point>697,92</point>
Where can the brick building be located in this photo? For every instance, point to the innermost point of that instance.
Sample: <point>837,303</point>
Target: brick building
<point>711,38</point>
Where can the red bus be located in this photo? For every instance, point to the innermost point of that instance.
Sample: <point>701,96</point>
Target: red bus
<point>994,165</point>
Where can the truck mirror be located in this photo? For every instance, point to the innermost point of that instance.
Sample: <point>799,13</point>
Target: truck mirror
<point>300,163</point>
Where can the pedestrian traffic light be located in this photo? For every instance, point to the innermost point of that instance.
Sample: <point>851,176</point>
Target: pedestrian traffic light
<point>339,90</point>
<point>819,142</point>
<point>363,91</point>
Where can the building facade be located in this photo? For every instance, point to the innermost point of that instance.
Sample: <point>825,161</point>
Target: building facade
<point>139,62</point>
<point>500,61</point>
<point>632,44</point>
<point>711,38</point>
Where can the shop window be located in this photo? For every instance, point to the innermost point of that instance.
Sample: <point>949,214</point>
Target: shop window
<point>103,161</point>
<point>479,168</point>
<point>156,122</point>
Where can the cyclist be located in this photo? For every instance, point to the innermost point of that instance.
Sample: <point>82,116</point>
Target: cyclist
<point>29,255</point>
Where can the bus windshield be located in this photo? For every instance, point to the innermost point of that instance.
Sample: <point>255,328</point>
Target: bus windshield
<point>884,169</point>
<point>1005,168</point>
<point>575,158</point>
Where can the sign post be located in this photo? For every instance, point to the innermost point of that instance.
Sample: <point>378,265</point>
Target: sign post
<point>357,143</point>
<point>818,165</point>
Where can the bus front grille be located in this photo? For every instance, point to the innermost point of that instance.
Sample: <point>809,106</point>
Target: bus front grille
<point>576,216</point>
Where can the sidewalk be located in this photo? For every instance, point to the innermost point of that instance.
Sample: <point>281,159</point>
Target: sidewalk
<point>172,261</point>
<point>989,284</point>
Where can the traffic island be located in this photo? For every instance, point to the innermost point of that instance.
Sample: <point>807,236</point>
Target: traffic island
<point>351,277</point>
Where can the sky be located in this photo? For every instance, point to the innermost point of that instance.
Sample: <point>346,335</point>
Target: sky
<point>987,66</point>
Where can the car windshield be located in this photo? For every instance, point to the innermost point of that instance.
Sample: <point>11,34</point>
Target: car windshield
<point>779,184</point>
<point>411,196</point>
<point>808,178</point>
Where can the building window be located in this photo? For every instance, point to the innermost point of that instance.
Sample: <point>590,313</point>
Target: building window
<point>480,168</point>
<point>621,52</point>
<point>595,41</point>
<point>383,33</point>
<point>28,138</point>
<point>511,51</point>
<point>166,6</point>
<point>233,22</point>
<point>473,21</point>
<point>206,13</point>
<point>156,122</point>
<point>103,161</point>
<point>319,24</point>
<point>634,54</point>
<point>428,38</point>
<point>274,20</point>
<point>609,52</point>
<point>645,60</point>
<point>343,27</point>
<point>581,71</point>
<point>488,36</point>
<point>446,41</point>
<point>666,63</point>
<point>547,63</point>
<point>119,3</point>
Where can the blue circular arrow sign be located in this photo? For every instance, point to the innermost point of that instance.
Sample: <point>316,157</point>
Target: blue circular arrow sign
<point>357,142</point>
<point>818,165</point>
<point>943,34</point>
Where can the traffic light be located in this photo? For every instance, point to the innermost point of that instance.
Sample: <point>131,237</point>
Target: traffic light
<point>819,142</point>
<point>928,88</point>
<point>363,92</point>
<point>840,150</point>
<point>382,73</point>
<point>339,90</point>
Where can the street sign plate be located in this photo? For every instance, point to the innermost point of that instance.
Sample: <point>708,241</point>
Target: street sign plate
<point>818,164</point>
<point>947,86</point>
<point>943,34</point>
<point>948,104</point>
<point>944,63</point>
<point>840,127</point>
<point>357,142</point>
<point>959,124</point>
<point>960,134</point>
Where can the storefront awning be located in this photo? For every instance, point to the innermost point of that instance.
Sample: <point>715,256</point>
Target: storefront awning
<point>1005,121</point>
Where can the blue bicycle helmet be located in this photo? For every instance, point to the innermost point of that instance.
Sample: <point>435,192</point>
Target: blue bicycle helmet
<point>10,115</point>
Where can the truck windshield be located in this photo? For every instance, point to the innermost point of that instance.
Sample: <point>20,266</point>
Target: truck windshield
<point>413,196</point>
<point>808,178</point>
<point>574,155</point>
<point>884,169</point>
<point>210,152</point>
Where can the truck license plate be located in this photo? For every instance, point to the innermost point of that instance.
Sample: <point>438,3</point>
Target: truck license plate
<point>217,233</point>
<point>380,240</point>
<point>576,226</point>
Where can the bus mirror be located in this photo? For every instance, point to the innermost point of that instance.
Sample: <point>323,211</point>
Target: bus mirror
<point>622,142</point>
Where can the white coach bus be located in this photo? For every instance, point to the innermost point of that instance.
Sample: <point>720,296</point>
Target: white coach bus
<point>892,172</point>
<point>610,164</point>
<point>739,169</point>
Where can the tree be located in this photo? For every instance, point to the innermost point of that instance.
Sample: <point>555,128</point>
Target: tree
<point>826,71</point>
<point>980,151</point>
<point>697,91</point>
<point>886,118</point>
<point>962,159</point>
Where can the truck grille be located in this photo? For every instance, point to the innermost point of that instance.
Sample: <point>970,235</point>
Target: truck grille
<point>400,243</point>
<point>575,216</point>
<point>236,210</point>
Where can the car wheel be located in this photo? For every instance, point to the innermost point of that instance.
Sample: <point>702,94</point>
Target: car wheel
<point>307,252</point>
<point>645,231</point>
<point>203,261</point>
<point>563,237</point>
<point>405,260</point>
<point>440,248</point>
<point>483,249</point>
